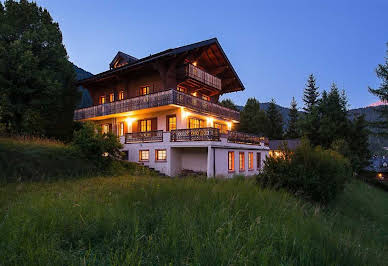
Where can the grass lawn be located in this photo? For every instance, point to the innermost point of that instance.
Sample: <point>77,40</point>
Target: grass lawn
<point>149,220</point>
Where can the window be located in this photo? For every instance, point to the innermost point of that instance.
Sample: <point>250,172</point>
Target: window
<point>181,89</point>
<point>241,160</point>
<point>160,155</point>
<point>171,122</point>
<point>258,160</point>
<point>223,128</point>
<point>144,155</point>
<point>111,97</point>
<point>205,97</point>
<point>195,123</point>
<point>121,129</point>
<point>121,95</point>
<point>145,125</point>
<point>250,160</point>
<point>105,129</point>
<point>102,99</point>
<point>145,90</point>
<point>231,161</point>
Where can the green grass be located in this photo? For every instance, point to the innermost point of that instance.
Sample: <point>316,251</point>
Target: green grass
<point>158,221</point>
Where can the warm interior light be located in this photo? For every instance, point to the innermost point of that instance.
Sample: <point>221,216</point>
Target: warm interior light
<point>194,94</point>
<point>380,175</point>
<point>130,120</point>
<point>210,121</point>
<point>184,113</point>
<point>195,63</point>
<point>229,124</point>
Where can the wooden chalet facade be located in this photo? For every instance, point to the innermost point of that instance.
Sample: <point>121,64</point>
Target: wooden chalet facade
<point>170,99</point>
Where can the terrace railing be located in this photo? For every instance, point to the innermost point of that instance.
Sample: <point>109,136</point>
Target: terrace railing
<point>244,138</point>
<point>195,134</point>
<point>162,98</point>
<point>140,137</point>
<point>202,76</point>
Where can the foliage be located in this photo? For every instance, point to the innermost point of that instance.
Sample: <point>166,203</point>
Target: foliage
<point>95,146</point>
<point>313,173</point>
<point>292,131</point>
<point>274,127</point>
<point>131,220</point>
<point>37,92</point>
<point>310,94</point>
<point>382,93</point>
<point>358,140</point>
<point>229,104</point>
<point>252,118</point>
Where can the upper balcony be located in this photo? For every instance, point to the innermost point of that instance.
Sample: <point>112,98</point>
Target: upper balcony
<point>163,98</point>
<point>198,75</point>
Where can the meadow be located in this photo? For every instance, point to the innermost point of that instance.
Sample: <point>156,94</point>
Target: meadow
<point>161,221</point>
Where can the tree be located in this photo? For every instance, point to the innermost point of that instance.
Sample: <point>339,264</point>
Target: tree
<point>334,123</point>
<point>252,118</point>
<point>310,94</point>
<point>275,122</point>
<point>229,104</point>
<point>292,129</point>
<point>359,145</point>
<point>382,93</point>
<point>37,90</point>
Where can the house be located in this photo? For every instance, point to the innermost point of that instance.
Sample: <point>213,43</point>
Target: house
<point>165,110</point>
<point>276,146</point>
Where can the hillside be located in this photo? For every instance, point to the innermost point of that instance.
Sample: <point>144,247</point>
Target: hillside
<point>160,221</point>
<point>85,101</point>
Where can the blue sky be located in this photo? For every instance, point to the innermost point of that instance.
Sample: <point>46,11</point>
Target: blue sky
<point>273,45</point>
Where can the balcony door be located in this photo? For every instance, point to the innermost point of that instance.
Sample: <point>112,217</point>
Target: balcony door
<point>145,125</point>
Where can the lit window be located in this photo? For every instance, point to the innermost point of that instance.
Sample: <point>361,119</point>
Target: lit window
<point>102,99</point>
<point>121,95</point>
<point>181,89</point>
<point>105,129</point>
<point>121,129</point>
<point>258,160</point>
<point>171,122</point>
<point>241,160</point>
<point>160,155</point>
<point>145,125</point>
<point>223,128</point>
<point>231,161</point>
<point>195,123</point>
<point>111,97</point>
<point>205,97</point>
<point>145,90</point>
<point>144,155</point>
<point>250,160</point>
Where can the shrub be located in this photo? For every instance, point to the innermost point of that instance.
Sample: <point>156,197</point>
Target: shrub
<point>312,173</point>
<point>95,146</point>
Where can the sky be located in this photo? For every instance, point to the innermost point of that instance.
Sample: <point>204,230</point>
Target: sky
<point>273,45</point>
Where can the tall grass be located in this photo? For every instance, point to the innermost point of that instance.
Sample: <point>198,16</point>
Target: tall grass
<point>155,221</point>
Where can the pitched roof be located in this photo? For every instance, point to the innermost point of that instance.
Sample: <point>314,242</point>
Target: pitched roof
<point>125,57</point>
<point>164,54</point>
<point>292,144</point>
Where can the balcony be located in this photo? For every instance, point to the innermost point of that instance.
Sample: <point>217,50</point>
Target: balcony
<point>143,137</point>
<point>199,75</point>
<point>195,134</point>
<point>163,98</point>
<point>244,138</point>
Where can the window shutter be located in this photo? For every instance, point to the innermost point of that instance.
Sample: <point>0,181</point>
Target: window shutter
<point>135,126</point>
<point>154,124</point>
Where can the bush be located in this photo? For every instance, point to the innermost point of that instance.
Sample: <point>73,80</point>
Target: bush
<point>312,173</point>
<point>100,148</point>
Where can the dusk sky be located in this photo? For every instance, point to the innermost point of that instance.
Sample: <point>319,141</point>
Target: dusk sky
<point>273,45</point>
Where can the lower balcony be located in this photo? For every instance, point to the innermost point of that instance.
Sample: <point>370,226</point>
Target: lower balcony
<point>193,135</point>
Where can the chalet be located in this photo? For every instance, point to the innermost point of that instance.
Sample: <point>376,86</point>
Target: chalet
<point>165,110</point>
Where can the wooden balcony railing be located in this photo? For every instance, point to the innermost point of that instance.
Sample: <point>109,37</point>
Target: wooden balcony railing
<point>202,76</point>
<point>171,96</point>
<point>244,138</point>
<point>195,134</point>
<point>139,137</point>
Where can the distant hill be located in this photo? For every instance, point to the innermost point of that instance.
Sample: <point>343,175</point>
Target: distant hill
<point>86,100</point>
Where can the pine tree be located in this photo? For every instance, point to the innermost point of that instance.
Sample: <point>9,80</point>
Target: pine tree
<point>229,104</point>
<point>252,119</point>
<point>358,143</point>
<point>310,94</point>
<point>382,93</point>
<point>292,129</point>
<point>37,91</point>
<point>275,122</point>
